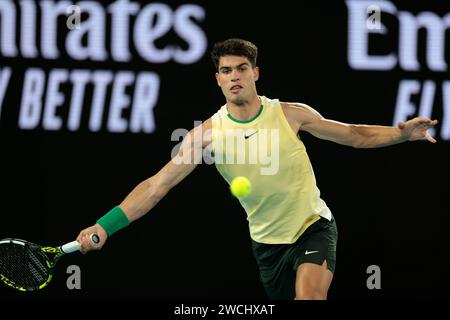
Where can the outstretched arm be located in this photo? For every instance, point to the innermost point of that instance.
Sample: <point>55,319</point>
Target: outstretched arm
<point>305,118</point>
<point>150,191</point>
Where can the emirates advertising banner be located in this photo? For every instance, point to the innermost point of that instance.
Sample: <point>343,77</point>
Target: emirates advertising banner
<point>38,39</point>
<point>55,98</point>
<point>419,74</point>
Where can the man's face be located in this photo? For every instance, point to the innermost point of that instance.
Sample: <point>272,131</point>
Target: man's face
<point>237,78</point>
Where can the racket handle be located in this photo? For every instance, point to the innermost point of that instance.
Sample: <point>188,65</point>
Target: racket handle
<point>71,247</point>
<point>75,245</point>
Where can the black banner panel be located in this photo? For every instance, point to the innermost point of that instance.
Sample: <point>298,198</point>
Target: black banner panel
<point>96,96</point>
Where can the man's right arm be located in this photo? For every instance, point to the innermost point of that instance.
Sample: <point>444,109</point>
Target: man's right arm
<point>150,191</point>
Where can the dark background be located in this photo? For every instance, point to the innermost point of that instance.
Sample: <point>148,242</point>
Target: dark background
<point>390,204</point>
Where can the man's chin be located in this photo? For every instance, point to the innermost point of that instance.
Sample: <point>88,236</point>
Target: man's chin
<point>238,100</point>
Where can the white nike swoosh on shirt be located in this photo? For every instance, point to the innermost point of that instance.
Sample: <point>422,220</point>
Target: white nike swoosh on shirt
<point>309,252</point>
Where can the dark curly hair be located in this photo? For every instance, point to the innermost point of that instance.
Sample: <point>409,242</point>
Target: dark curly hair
<point>234,47</point>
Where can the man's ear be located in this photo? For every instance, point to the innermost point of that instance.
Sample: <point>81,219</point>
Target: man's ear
<point>256,73</point>
<point>217,79</point>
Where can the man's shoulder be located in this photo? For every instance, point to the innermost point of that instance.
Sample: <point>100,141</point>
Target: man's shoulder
<point>298,105</point>
<point>294,108</point>
<point>297,112</point>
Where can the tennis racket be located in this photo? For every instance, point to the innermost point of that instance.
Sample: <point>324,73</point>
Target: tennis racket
<point>26,266</point>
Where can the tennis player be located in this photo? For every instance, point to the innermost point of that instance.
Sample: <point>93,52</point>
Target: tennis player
<point>293,231</point>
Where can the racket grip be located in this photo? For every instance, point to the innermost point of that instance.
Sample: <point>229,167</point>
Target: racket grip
<point>75,245</point>
<point>71,247</point>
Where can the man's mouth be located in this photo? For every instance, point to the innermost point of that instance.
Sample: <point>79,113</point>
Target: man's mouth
<point>235,88</point>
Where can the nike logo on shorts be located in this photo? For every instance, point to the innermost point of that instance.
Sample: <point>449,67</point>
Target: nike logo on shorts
<point>309,252</point>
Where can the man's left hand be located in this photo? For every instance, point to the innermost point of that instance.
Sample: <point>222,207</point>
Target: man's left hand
<point>417,128</point>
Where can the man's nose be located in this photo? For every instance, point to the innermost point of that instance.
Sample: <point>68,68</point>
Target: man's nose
<point>235,75</point>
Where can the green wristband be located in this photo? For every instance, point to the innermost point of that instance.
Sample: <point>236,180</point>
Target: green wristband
<point>113,221</point>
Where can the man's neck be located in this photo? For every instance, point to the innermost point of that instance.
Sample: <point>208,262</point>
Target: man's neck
<point>245,111</point>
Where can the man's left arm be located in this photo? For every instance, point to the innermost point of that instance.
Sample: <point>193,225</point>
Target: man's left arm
<point>371,136</point>
<point>358,135</point>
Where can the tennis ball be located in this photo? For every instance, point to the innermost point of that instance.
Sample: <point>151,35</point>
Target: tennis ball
<point>240,187</point>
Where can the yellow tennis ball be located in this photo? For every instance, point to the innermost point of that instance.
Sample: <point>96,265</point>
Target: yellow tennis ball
<point>240,187</point>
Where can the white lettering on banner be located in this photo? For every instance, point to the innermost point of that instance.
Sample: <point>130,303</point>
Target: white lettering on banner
<point>8,46</point>
<point>191,33</point>
<point>445,126</point>
<point>435,46</point>
<point>406,109</point>
<point>27,34</point>
<point>409,25</point>
<point>79,78</point>
<point>101,80</point>
<point>145,98</point>
<point>32,94</point>
<point>152,22</point>
<point>155,20</point>
<point>119,101</point>
<point>49,24</point>
<point>405,56</point>
<point>120,11</point>
<point>94,30</point>
<point>358,36</point>
<point>55,98</point>
<point>5,75</point>
<point>46,106</point>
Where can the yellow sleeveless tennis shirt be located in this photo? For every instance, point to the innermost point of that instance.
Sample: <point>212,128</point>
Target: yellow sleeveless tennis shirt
<point>284,200</point>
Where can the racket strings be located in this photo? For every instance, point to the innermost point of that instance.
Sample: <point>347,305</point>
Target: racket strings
<point>23,265</point>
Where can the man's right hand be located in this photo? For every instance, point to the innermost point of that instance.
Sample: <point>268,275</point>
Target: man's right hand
<point>86,242</point>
